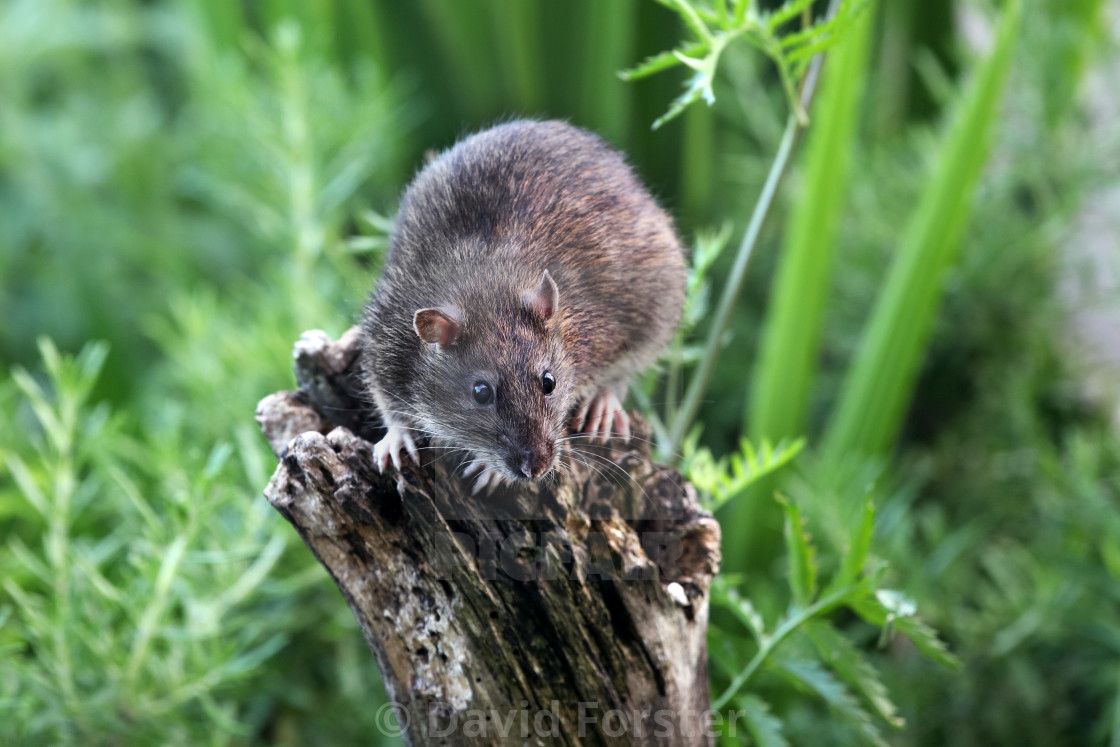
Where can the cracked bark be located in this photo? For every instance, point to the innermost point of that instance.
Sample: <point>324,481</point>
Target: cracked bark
<point>570,613</point>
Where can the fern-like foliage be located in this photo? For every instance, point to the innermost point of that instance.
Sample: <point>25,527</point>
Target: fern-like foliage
<point>725,479</point>
<point>717,26</point>
<point>803,648</point>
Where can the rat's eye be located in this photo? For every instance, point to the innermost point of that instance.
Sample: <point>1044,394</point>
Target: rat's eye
<point>483,393</point>
<point>548,382</point>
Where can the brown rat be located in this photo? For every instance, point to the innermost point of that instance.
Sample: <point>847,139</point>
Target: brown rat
<point>530,276</point>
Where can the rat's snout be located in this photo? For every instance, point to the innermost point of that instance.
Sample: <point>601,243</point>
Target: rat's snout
<point>537,462</point>
<point>533,462</point>
<point>528,456</point>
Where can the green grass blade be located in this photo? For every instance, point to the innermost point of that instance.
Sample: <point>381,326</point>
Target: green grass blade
<point>780,390</point>
<point>779,397</point>
<point>457,29</point>
<point>881,380</point>
<point>516,30</point>
<point>698,155</point>
<point>604,100</point>
<point>1075,27</point>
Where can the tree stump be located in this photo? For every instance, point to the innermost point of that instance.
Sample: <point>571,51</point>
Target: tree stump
<point>572,612</point>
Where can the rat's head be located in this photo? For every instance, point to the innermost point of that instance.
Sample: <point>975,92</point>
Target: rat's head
<point>499,380</point>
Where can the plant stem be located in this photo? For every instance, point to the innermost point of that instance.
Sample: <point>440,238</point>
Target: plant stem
<point>770,643</point>
<point>699,382</point>
<point>673,383</point>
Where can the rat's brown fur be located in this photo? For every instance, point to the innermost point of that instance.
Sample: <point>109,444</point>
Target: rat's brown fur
<point>476,231</point>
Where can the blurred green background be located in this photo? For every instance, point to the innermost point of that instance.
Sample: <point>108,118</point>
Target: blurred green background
<point>187,186</point>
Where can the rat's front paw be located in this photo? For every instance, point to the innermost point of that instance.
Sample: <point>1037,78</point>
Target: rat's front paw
<point>489,478</point>
<point>602,417</point>
<point>389,448</point>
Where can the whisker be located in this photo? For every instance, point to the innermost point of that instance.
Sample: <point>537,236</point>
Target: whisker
<point>600,459</point>
<point>615,434</point>
<point>447,453</point>
<point>588,459</point>
<point>590,467</point>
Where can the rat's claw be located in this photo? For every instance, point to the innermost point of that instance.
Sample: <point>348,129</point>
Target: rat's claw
<point>389,449</point>
<point>580,417</point>
<point>622,421</point>
<point>489,479</point>
<point>603,417</point>
<point>595,417</point>
<point>411,446</point>
<point>381,454</point>
<point>472,469</point>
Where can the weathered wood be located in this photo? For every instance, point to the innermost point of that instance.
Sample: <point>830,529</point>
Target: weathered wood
<point>571,613</point>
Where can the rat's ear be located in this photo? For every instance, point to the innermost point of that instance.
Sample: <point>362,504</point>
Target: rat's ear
<point>542,301</point>
<point>437,325</point>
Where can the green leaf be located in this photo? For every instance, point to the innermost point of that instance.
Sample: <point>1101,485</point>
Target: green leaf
<point>926,640</point>
<point>765,728</point>
<point>90,360</point>
<point>826,33</point>
<point>663,61</point>
<point>729,478</point>
<point>691,18</point>
<point>698,86</point>
<point>219,455</point>
<point>790,10</point>
<point>27,484</point>
<point>850,665</point>
<point>811,675</point>
<point>721,13</point>
<point>41,405</point>
<point>801,555</point>
<point>786,627</point>
<point>728,597</point>
<point>30,561</point>
<point>704,56</point>
<point>741,9</point>
<point>881,380</point>
<point>129,489</point>
<point>859,546</point>
<point>726,650</point>
<point>891,611</point>
<point>896,604</point>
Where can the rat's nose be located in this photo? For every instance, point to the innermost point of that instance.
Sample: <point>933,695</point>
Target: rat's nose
<point>535,463</point>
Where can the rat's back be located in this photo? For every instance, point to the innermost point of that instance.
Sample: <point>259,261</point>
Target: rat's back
<point>527,260</point>
<point>506,204</point>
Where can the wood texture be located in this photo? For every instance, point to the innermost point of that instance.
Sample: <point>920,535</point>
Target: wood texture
<point>569,613</point>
